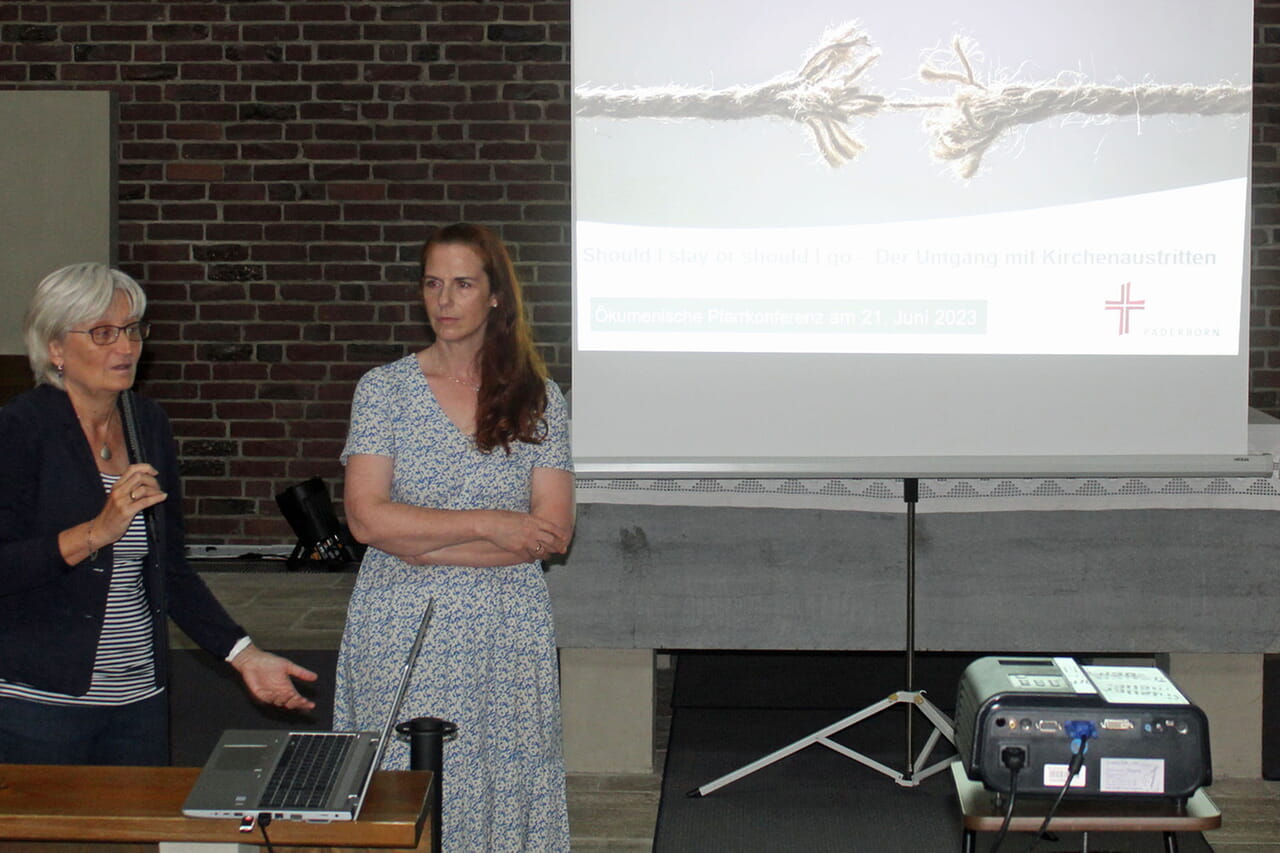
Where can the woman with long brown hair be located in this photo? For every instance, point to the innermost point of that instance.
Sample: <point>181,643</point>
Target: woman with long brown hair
<point>459,478</point>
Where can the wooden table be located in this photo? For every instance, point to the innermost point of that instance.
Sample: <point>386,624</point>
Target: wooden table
<point>981,814</point>
<point>143,806</point>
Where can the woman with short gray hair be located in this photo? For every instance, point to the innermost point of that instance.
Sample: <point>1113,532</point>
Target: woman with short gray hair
<point>92,557</point>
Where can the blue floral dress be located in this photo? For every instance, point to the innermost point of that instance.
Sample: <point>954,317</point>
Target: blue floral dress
<point>489,661</point>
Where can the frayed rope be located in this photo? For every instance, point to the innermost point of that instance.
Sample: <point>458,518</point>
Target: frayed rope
<point>826,95</point>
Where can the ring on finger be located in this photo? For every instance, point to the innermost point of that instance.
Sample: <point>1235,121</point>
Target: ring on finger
<point>131,495</point>
<point>539,548</point>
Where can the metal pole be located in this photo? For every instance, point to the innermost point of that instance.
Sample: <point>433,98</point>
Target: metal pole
<point>911,494</point>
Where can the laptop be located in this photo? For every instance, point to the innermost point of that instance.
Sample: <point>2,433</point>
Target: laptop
<point>311,776</point>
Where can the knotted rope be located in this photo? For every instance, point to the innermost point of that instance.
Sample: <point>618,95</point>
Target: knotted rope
<point>965,128</point>
<point>825,95</point>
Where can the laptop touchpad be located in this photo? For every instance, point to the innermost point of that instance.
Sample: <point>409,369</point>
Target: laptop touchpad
<point>241,758</point>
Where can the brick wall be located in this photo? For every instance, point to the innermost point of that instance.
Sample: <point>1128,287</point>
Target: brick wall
<point>1264,319</point>
<point>280,164</point>
<point>281,161</point>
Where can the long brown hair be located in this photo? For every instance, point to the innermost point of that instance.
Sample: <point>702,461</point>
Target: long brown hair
<point>513,389</point>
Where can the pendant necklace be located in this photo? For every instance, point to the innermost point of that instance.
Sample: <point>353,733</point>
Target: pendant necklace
<point>463,382</point>
<point>105,452</point>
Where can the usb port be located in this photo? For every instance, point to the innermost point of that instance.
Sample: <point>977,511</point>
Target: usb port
<point>1049,726</point>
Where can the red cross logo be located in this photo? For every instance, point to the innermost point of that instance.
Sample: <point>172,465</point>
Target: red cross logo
<point>1124,305</point>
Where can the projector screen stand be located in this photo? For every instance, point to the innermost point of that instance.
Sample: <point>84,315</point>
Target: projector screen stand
<point>916,770</point>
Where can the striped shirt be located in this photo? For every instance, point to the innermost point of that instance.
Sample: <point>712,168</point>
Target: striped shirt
<point>124,665</point>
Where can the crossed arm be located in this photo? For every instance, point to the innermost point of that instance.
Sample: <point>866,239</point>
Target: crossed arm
<point>478,538</point>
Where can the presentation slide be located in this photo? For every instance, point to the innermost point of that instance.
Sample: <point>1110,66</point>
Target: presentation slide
<point>885,194</point>
<point>1070,279</point>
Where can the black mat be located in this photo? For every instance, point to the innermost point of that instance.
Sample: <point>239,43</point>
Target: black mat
<point>818,800</point>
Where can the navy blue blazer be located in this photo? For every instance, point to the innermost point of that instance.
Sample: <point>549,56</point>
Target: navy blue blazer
<point>51,613</point>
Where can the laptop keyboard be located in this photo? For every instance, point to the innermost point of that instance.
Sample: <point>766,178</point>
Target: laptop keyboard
<point>307,770</point>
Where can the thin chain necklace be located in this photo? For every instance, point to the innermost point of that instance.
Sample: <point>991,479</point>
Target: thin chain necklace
<point>448,374</point>
<point>472,385</point>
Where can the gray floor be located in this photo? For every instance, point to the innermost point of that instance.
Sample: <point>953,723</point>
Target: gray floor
<point>1250,816</point>
<point>616,814</point>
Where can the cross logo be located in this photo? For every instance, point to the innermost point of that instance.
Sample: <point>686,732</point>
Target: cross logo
<point>1124,305</point>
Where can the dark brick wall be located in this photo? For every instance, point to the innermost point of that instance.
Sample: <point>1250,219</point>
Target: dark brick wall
<point>1264,316</point>
<point>280,163</point>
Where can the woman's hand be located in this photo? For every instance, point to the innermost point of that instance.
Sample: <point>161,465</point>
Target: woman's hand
<point>526,534</point>
<point>136,490</point>
<point>269,678</point>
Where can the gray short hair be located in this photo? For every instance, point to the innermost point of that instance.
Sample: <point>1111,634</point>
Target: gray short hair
<point>67,297</point>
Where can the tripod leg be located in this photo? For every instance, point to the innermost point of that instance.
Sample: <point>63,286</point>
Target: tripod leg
<point>820,736</point>
<point>943,727</point>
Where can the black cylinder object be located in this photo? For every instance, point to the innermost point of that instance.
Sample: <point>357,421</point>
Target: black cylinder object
<point>426,752</point>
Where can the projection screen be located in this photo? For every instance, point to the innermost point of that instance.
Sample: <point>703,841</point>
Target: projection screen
<point>915,238</point>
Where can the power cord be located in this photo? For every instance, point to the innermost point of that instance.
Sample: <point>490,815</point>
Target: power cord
<point>1079,746</point>
<point>1014,758</point>
<point>262,820</point>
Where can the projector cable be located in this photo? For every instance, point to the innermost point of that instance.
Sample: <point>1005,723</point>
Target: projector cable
<point>1014,758</point>
<point>1079,746</point>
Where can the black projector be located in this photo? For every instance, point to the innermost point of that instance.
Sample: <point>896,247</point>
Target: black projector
<point>1141,736</point>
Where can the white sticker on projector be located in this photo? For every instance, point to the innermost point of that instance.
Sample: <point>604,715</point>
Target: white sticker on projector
<point>1131,775</point>
<point>1055,776</point>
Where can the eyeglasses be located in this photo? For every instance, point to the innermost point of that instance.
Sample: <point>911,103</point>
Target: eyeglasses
<point>105,336</point>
